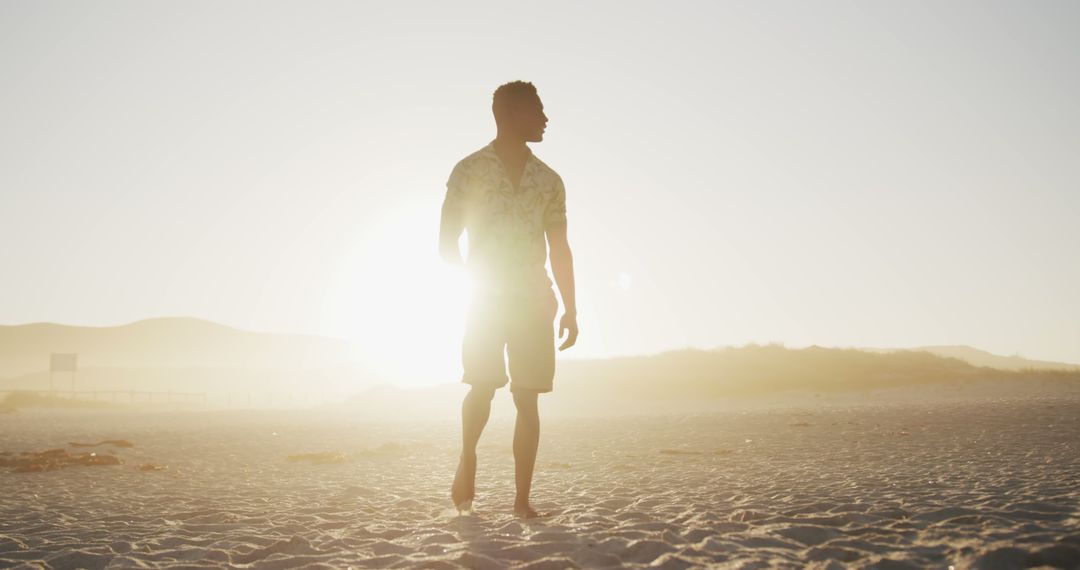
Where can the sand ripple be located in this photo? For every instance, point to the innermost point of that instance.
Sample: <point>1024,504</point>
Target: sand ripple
<point>988,485</point>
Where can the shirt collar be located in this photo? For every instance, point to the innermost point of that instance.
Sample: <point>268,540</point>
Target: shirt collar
<point>490,149</point>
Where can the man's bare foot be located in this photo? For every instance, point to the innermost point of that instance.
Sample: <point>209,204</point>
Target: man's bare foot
<point>463,490</point>
<point>526,512</point>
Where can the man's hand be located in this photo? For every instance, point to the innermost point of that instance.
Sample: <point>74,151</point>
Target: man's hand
<point>568,323</point>
<point>451,255</point>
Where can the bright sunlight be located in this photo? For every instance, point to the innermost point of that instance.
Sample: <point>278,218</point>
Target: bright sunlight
<point>398,301</point>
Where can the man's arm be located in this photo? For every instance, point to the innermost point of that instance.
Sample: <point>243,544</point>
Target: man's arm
<point>562,267</point>
<point>453,216</point>
<point>450,228</point>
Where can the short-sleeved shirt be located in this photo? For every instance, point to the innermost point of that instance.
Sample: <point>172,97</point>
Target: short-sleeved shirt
<point>506,226</point>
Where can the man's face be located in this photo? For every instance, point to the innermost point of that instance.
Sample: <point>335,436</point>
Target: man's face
<point>531,120</point>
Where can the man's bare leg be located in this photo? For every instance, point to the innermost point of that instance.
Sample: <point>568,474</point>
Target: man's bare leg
<point>526,441</point>
<point>475,411</point>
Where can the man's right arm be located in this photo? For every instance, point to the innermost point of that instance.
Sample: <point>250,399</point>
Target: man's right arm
<point>450,228</point>
<point>453,217</point>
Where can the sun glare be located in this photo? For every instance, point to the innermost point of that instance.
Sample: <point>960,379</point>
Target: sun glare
<point>398,301</point>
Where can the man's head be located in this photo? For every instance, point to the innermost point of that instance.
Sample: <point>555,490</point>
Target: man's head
<point>518,111</point>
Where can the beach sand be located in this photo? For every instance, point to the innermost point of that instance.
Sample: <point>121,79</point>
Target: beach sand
<point>991,484</point>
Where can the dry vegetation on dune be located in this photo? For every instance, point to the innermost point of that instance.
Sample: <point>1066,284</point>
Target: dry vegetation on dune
<point>749,376</point>
<point>757,370</point>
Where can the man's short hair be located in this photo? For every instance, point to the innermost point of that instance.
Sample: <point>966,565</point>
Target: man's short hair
<point>508,94</point>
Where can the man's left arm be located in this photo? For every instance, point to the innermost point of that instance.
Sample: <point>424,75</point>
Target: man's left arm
<point>562,267</point>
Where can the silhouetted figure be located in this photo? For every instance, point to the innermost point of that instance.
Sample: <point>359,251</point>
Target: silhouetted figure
<point>509,201</point>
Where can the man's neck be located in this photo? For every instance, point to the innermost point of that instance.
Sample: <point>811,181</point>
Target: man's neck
<point>511,147</point>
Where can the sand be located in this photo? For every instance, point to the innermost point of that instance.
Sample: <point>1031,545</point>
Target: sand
<point>991,484</point>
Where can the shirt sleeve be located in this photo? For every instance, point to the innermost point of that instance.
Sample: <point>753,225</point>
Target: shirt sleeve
<point>556,209</point>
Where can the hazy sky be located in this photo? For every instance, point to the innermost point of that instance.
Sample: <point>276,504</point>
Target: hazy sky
<point>882,174</point>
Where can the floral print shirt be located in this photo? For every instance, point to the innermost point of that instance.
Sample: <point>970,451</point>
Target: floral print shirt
<point>506,226</point>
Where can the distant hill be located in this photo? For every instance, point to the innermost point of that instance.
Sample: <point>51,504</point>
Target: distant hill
<point>181,355</point>
<point>977,357</point>
<point>163,342</point>
<point>982,358</point>
<point>236,366</point>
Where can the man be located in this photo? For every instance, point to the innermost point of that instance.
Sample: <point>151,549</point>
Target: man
<point>509,201</point>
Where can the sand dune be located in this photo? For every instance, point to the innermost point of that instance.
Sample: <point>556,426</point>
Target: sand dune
<point>989,484</point>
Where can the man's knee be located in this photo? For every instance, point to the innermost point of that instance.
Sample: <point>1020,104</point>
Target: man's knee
<point>481,394</point>
<point>525,401</point>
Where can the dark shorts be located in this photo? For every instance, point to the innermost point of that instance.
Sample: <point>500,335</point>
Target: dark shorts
<point>523,327</point>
